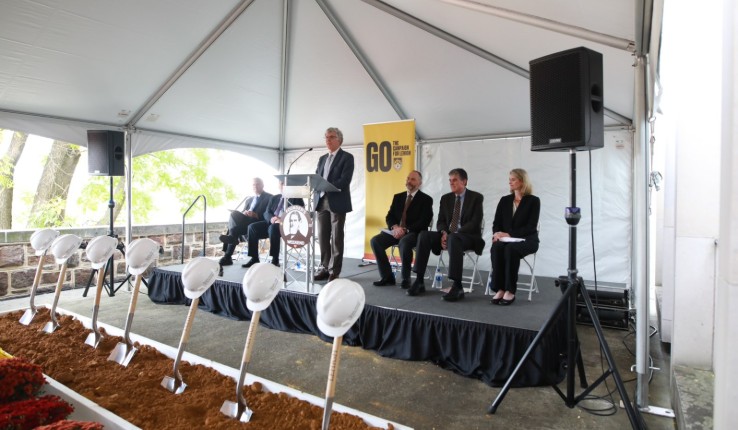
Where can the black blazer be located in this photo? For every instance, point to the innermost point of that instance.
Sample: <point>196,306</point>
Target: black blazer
<point>472,213</point>
<point>342,170</point>
<point>525,222</point>
<point>419,213</point>
<point>274,204</point>
<point>261,206</point>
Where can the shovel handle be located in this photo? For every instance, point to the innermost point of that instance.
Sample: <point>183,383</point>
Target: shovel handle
<point>132,309</point>
<point>330,388</point>
<point>37,280</point>
<point>57,292</point>
<point>185,335</point>
<point>98,290</point>
<point>247,355</point>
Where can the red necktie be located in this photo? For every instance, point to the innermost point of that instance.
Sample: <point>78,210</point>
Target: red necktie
<point>403,222</point>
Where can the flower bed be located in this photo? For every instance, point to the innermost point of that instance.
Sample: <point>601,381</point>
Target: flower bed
<point>135,394</point>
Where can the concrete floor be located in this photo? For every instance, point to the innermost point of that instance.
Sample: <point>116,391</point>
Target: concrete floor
<point>417,394</point>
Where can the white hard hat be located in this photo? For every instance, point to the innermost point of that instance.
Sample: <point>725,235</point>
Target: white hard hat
<point>261,284</point>
<point>198,275</point>
<point>100,249</point>
<point>340,304</point>
<point>41,240</point>
<point>64,246</point>
<point>140,254</point>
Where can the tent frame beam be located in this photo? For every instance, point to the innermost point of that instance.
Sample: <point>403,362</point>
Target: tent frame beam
<point>204,45</point>
<point>476,50</point>
<point>368,67</point>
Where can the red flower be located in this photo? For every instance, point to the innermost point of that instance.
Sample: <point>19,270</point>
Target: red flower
<point>19,380</point>
<point>31,413</point>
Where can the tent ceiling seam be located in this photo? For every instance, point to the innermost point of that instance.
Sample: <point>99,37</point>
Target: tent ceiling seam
<point>548,24</point>
<point>284,70</point>
<point>204,45</point>
<point>476,50</point>
<point>368,67</point>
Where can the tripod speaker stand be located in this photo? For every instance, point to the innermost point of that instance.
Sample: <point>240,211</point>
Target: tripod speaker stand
<point>573,284</point>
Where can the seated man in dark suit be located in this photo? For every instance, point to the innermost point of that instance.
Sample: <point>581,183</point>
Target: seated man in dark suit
<point>410,213</point>
<point>458,228</point>
<point>238,223</point>
<point>269,228</point>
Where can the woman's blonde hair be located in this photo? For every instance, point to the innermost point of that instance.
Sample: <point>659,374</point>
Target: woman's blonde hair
<point>522,176</point>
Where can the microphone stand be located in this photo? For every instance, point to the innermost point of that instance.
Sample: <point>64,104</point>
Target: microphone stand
<point>298,157</point>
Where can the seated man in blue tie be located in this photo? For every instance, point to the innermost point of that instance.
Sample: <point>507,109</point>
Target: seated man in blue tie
<point>239,221</point>
<point>458,228</point>
<point>269,228</point>
<point>410,213</point>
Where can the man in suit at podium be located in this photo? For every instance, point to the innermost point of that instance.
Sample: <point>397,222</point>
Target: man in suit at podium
<point>240,219</point>
<point>410,213</point>
<point>458,228</point>
<point>336,167</point>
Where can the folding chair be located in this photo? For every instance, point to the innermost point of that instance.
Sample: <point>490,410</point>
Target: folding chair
<point>474,279</point>
<point>532,286</point>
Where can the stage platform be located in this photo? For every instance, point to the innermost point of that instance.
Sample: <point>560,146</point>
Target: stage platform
<point>471,337</point>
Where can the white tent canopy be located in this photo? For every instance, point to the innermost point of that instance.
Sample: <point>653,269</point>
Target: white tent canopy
<point>275,74</point>
<point>267,77</point>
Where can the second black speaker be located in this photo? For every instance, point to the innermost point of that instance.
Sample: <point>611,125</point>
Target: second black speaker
<point>566,108</point>
<point>105,153</point>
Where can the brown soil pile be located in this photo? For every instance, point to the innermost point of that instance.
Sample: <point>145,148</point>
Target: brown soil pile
<point>135,392</point>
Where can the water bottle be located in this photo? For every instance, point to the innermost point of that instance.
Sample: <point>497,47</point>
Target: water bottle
<point>439,277</point>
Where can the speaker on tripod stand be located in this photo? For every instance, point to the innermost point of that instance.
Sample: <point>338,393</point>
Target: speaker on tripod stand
<point>566,108</point>
<point>105,157</point>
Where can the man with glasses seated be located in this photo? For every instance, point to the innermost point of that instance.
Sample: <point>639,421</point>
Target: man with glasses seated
<point>240,220</point>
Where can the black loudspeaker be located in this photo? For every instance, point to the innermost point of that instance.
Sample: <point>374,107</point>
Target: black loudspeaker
<point>105,153</point>
<point>566,108</point>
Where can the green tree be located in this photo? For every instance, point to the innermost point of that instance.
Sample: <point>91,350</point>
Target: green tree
<point>7,173</point>
<point>50,201</point>
<point>181,172</point>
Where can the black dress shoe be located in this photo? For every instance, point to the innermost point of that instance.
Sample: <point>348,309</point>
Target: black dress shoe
<point>321,276</point>
<point>504,302</point>
<point>230,240</point>
<point>249,263</point>
<point>416,288</point>
<point>225,260</point>
<point>405,284</point>
<point>496,301</point>
<point>384,281</point>
<point>454,294</point>
<point>220,270</point>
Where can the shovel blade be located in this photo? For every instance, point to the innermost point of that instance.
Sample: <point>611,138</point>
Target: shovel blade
<point>27,317</point>
<point>122,354</point>
<point>234,410</point>
<point>173,385</point>
<point>93,339</point>
<point>50,327</point>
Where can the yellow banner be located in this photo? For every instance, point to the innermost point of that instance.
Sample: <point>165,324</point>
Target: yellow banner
<point>389,151</point>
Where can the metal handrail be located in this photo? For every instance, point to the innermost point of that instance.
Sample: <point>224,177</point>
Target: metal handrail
<point>204,225</point>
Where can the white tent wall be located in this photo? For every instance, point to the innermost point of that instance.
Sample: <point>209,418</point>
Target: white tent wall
<point>488,163</point>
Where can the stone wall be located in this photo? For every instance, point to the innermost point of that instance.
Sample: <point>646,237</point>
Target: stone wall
<point>18,261</point>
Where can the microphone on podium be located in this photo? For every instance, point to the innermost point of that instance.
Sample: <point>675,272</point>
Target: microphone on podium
<point>298,157</point>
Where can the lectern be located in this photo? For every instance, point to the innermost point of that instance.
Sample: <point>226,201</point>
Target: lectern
<point>308,187</point>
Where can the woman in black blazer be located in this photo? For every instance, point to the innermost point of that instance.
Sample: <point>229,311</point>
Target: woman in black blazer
<point>516,218</point>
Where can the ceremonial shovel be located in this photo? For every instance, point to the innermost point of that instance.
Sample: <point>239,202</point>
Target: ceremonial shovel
<point>62,248</point>
<point>261,284</point>
<point>99,250</point>
<point>40,241</point>
<point>141,252</point>
<point>339,305</point>
<point>197,276</point>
